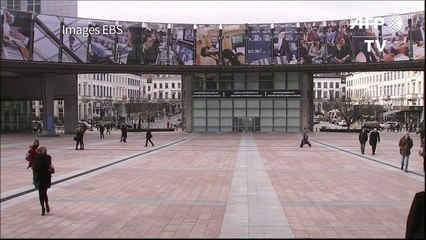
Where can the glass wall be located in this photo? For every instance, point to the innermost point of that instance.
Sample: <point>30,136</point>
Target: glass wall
<point>227,103</point>
<point>15,116</point>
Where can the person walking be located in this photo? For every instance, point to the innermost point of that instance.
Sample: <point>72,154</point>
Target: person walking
<point>374,139</point>
<point>108,128</point>
<point>405,145</point>
<point>363,137</point>
<point>305,139</point>
<point>41,166</point>
<point>32,153</point>
<point>101,130</point>
<point>123,133</point>
<point>148,138</point>
<point>79,133</point>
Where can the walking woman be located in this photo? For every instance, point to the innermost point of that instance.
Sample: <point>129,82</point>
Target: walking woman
<point>32,153</point>
<point>43,177</point>
<point>79,133</point>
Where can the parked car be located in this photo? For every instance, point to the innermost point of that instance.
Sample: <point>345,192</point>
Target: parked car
<point>388,124</point>
<point>370,124</point>
<point>129,126</point>
<point>342,123</point>
<point>86,125</point>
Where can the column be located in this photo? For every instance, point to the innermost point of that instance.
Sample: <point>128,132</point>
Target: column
<point>48,93</point>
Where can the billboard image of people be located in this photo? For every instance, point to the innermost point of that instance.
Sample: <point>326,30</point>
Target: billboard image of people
<point>341,51</point>
<point>285,43</point>
<point>418,35</point>
<point>155,44</point>
<point>233,44</point>
<point>181,44</point>
<point>16,40</point>
<point>75,40</point>
<point>102,44</point>
<point>129,43</point>
<point>47,31</point>
<point>259,44</point>
<point>208,41</point>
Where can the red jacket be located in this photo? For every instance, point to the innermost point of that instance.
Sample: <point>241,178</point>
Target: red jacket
<point>33,154</point>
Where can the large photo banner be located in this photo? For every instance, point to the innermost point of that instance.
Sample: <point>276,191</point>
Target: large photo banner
<point>16,41</point>
<point>208,44</point>
<point>102,44</point>
<point>154,44</point>
<point>47,38</point>
<point>75,40</point>
<point>285,43</point>
<point>259,44</point>
<point>233,44</point>
<point>129,43</point>
<point>418,35</point>
<point>181,49</point>
<point>338,46</point>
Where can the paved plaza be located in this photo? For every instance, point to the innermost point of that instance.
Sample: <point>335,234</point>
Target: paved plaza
<point>212,185</point>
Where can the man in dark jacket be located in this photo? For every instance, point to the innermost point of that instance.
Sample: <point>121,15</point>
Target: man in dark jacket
<point>374,139</point>
<point>123,133</point>
<point>405,144</point>
<point>363,137</point>
<point>148,138</point>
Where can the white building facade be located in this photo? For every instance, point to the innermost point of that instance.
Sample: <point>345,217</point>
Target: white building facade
<point>328,87</point>
<point>398,91</point>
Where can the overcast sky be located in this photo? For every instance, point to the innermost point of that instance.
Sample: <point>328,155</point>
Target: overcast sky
<point>230,12</point>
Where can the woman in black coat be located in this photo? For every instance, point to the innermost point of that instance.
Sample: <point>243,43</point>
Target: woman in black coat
<point>41,166</point>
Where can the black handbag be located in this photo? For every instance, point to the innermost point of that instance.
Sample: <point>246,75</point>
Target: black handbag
<point>75,138</point>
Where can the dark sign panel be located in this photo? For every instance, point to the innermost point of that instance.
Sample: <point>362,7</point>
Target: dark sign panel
<point>246,93</point>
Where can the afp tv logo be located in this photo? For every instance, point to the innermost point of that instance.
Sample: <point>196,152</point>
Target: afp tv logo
<point>392,21</point>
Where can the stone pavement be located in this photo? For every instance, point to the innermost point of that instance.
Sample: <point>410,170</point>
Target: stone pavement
<point>213,185</point>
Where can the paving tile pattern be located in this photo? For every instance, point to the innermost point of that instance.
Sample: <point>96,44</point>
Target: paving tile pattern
<point>183,187</point>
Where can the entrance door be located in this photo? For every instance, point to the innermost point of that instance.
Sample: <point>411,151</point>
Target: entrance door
<point>244,124</point>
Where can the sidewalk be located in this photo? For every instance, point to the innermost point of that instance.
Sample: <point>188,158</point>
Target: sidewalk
<point>217,185</point>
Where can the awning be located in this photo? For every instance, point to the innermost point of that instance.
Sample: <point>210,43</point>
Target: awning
<point>391,112</point>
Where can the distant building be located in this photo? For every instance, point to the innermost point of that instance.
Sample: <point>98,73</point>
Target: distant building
<point>58,7</point>
<point>328,87</point>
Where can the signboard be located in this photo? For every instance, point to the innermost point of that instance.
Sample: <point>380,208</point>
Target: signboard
<point>246,94</point>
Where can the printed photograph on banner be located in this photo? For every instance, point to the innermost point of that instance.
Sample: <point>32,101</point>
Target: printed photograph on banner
<point>102,44</point>
<point>75,36</point>
<point>47,31</point>
<point>418,35</point>
<point>129,43</point>
<point>154,44</point>
<point>17,40</point>
<point>258,45</point>
<point>181,44</point>
<point>208,41</point>
<point>233,44</point>
<point>285,44</point>
<point>340,49</point>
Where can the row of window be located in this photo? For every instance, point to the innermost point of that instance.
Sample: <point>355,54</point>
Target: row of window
<point>386,76</point>
<point>166,86</point>
<point>326,84</point>
<point>32,5</point>
<point>327,94</point>
<point>388,90</point>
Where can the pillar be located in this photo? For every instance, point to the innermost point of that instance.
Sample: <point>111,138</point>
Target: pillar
<point>48,94</point>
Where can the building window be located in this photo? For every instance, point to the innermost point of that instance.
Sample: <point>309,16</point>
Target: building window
<point>34,6</point>
<point>325,84</point>
<point>318,85</point>
<point>155,86</point>
<point>337,85</point>
<point>325,94</point>
<point>161,85</point>
<point>173,85</point>
<point>166,85</point>
<point>331,85</point>
<point>319,94</point>
<point>14,4</point>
